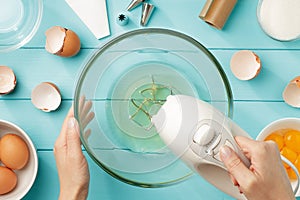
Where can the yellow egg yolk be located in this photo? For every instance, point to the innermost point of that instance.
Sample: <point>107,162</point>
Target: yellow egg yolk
<point>276,138</point>
<point>288,142</point>
<point>292,140</point>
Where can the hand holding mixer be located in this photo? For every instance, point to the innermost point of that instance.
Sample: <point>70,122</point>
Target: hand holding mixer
<point>195,131</point>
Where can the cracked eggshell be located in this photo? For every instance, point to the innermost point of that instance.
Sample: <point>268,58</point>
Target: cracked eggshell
<point>245,65</point>
<point>46,97</point>
<point>291,93</point>
<point>62,42</point>
<point>8,80</point>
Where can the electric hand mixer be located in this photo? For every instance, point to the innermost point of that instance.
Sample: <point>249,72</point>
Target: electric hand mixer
<point>194,130</point>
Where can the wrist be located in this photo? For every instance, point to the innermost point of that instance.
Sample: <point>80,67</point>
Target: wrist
<point>73,194</point>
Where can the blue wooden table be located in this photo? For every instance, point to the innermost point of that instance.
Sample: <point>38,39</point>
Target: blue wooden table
<point>256,102</point>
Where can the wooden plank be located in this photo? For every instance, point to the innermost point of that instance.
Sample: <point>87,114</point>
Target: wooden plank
<point>254,116</point>
<point>241,31</point>
<point>34,66</point>
<point>103,186</point>
<point>43,128</point>
<point>279,67</point>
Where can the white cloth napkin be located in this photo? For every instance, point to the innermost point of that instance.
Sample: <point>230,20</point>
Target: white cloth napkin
<point>93,13</point>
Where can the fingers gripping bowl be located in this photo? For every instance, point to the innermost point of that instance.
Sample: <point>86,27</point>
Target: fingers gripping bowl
<point>127,81</point>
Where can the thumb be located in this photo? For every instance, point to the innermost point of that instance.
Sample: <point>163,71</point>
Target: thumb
<point>73,140</point>
<point>234,165</point>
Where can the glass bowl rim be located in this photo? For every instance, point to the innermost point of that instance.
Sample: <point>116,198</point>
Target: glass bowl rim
<point>121,37</point>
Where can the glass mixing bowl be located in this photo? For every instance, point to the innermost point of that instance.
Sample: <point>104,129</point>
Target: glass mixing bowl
<point>124,83</point>
<point>19,21</point>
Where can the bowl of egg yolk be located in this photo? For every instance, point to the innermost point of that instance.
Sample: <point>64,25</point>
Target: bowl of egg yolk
<point>18,162</point>
<point>285,133</point>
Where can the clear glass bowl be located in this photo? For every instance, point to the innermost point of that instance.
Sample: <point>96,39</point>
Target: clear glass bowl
<point>19,21</point>
<point>120,78</point>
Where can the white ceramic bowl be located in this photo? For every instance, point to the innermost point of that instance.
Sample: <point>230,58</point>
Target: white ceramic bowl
<point>27,175</point>
<point>284,123</point>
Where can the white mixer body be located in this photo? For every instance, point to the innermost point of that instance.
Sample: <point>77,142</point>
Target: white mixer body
<point>194,131</point>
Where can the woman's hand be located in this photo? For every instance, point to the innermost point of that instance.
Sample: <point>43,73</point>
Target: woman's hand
<point>266,178</point>
<point>71,164</point>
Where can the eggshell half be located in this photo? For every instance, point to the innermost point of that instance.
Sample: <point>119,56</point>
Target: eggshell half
<point>291,93</point>
<point>245,65</point>
<point>62,42</point>
<point>46,97</point>
<point>8,80</point>
<point>55,37</point>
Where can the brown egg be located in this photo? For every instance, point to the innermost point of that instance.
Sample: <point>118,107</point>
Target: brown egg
<point>14,151</point>
<point>8,180</point>
<point>62,42</point>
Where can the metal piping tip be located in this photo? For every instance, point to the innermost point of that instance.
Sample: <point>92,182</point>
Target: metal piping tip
<point>122,19</point>
<point>146,13</point>
<point>134,4</point>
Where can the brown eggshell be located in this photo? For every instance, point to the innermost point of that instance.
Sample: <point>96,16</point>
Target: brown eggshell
<point>14,151</point>
<point>245,65</point>
<point>291,93</point>
<point>8,180</point>
<point>296,81</point>
<point>8,80</point>
<point>71,45</point>
<point>46,97</point>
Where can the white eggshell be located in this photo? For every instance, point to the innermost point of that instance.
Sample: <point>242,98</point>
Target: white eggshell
<point>55,39</point>
<point>46,97</point>
<point>245,65</point>
<point>291,93</point>
<point>7,80</point>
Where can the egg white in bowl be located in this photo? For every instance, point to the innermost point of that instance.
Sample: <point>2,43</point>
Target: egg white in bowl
<point>25,176</point>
